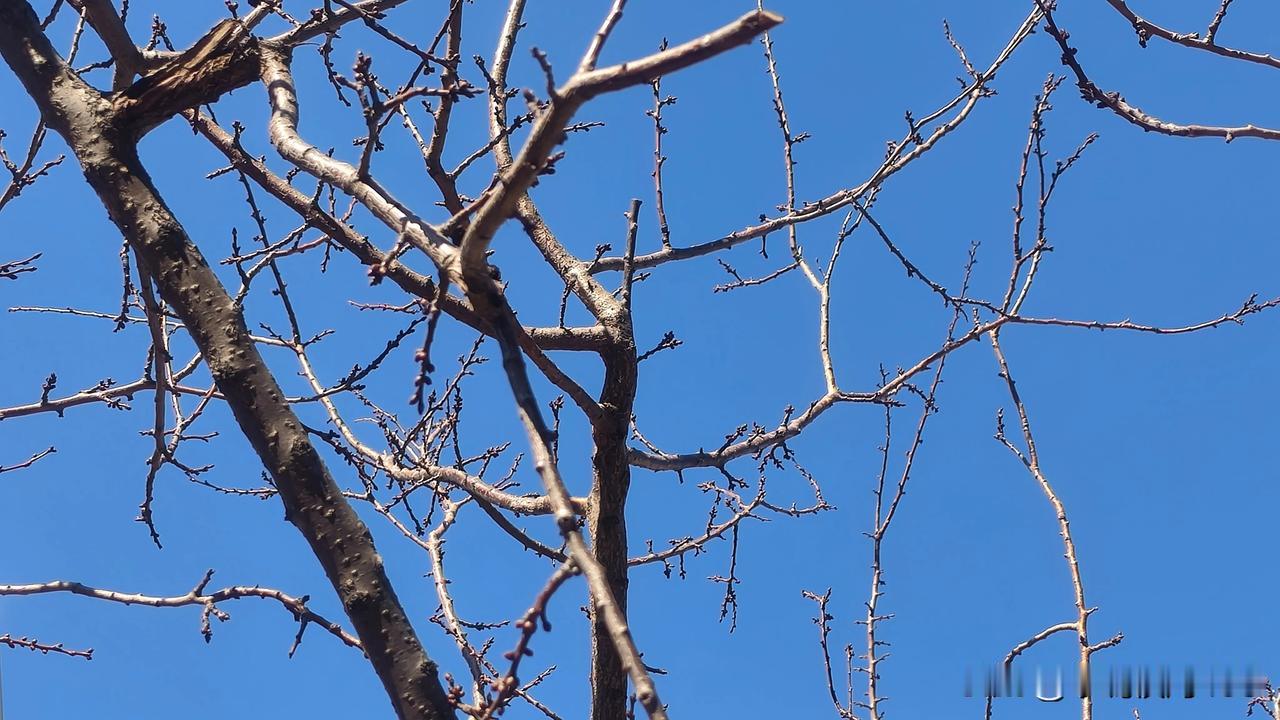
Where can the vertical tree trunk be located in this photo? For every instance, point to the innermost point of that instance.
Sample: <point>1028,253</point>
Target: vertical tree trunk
<point>606,520</point>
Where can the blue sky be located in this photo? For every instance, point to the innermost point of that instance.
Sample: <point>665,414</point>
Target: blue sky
<point>1162,449</point>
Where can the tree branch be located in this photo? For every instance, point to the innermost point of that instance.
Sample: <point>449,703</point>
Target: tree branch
<point>313,502</point>
<point>196,596</point>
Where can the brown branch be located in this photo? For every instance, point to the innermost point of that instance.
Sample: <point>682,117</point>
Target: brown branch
<point>224,59</point>
<point>519,535</point>
<point>793,425</point>
<point>44,648</point>
<point>487,299</point>
<point>414,283</point>
<point>1147,29</point>
<point>324,23</point>
<point>1216,22</point>
<point>548,129</point>
<point>901,154</point>
<point>884,514</point>
<point>657,460</point>
<point>498,126</point>
<point>283,132</point>
<point>1023,647</point>
<point>104,145</point>
<point>1030,457</point>
<point>433,150</point>
<point>22,175</point>
<point>284,136</point>
<point>424,474</point>
<point>110,27</point>
<point>523,505</point>
<point>660,160</point>
<point>1249,307</point>
<point>1115,102</point>
<point>434,545</point>
<point>12,269</point>
<point>479,282</point>
<point>696,544</point>
<point>519,174</point>
<point>592,56</point>
<point>29,461</point>
<point>528,625</point>
<point>628,268</point>
<point>110,394</point>
<point>823,621</point>
<point>196,596</point>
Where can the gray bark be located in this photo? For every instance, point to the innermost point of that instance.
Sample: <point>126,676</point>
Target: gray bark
<point>101,130</point>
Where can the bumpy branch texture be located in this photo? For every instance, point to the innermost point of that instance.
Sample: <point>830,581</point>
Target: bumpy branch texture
<point>102,136</point>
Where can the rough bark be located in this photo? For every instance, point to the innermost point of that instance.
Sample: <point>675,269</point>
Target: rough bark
<point>224,59</point>
<point>101,133</point>
<point>607,522</point>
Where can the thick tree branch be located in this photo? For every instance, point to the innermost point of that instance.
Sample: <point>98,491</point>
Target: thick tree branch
<point>221,61</point>
<point>605,566</point>
<point>313,502</point>
<point>412,282</point>
<point>110,27</point>
<point>283,131</point>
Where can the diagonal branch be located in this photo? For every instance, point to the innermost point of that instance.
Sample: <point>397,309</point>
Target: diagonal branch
<point>35,645</point>
<point>313,502</point>
<point>110,27</point>
<point>486,297</point>
<point>1115,102</point>
<point>37,457</point>
<point>548,129</point>
<point>902,153</point>
<point>283,131</point>
<point>224,59</point>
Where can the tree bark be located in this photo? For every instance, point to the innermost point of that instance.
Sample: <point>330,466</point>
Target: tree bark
<point>606,518</point>
<point>101,133</point>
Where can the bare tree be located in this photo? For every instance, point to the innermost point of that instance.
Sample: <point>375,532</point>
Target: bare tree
<point>1147,31</point>
<point>339,451</point>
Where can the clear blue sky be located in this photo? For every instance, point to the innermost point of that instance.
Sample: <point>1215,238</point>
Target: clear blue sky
<point>1163,449</point>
